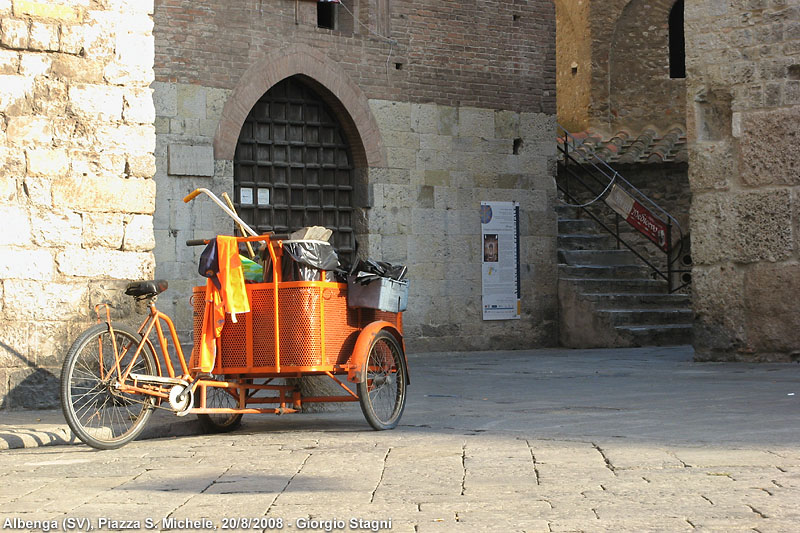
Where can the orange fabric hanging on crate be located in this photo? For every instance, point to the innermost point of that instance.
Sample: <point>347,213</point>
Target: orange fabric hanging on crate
<point>225,293</point>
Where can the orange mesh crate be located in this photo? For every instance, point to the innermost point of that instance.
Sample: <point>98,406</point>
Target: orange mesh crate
<point>317,330</point>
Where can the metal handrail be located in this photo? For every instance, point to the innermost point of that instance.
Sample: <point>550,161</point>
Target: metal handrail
<point>604,176</point>
<point>599,167</point>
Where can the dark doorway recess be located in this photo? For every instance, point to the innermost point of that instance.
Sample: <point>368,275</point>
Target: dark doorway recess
<point>293,165</point>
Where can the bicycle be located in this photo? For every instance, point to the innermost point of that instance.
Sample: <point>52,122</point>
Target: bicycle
<point>114,377</point>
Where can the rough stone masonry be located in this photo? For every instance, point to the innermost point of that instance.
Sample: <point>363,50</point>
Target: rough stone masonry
<point>743,102</point>
<point>77,196</point>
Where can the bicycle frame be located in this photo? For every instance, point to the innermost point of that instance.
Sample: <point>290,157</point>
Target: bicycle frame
<point>128,383</point>
<point>153,320</point>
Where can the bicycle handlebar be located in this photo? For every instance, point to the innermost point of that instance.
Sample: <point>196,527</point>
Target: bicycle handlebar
<point>191,196</point>
<point>272,237</point>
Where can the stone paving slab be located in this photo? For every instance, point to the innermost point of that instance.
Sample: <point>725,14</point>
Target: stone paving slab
<point>384,483</point>
<point>494,451</point>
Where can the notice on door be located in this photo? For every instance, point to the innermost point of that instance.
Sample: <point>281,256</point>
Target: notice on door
<point>501,292</point>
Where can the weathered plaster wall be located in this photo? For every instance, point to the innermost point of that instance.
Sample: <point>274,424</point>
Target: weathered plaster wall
<point>76,194</point>
<point>573,63</point>
<point>744,106</point>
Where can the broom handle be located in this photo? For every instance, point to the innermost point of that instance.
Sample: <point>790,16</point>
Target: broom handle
<point>241,227</point>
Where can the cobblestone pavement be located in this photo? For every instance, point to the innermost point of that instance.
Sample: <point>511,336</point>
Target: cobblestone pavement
<point>546,440</point>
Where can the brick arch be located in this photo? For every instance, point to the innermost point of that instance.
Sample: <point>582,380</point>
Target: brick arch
<point>336,88</point>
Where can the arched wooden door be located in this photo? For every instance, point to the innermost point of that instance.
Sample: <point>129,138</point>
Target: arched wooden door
<point>293,166</point>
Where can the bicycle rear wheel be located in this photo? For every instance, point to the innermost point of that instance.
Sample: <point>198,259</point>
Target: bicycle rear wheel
<point>382,389</point>
<point>99,414</point>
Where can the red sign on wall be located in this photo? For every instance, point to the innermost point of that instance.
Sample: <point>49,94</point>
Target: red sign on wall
<point>638,216</point>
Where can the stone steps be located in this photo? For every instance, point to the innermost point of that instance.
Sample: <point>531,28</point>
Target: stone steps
<point>585,241</point>
<point>647,317</point>
<point>596,257</point>
<point>662,335</point>
<point>640,300</point>
<point>576,225</point>
<point>603,271</point>
<point>608,297</point>
<point>619,285</point>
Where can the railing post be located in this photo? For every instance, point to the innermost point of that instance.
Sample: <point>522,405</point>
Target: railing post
<point>566,162</point>
<point>616,229</point>
<point>669,256</point>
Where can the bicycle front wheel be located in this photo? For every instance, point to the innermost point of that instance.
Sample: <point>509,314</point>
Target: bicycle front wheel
<point>97,412</point>
<point>218,397</point>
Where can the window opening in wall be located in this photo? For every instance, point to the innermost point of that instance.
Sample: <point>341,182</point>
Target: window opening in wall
<point>327,14</point>
<point>677,43</point>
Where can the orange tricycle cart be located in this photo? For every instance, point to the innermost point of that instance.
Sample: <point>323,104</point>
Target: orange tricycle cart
<point>113,378</point>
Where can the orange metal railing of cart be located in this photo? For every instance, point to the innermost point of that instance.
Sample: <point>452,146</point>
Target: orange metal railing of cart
<point>293,326</point>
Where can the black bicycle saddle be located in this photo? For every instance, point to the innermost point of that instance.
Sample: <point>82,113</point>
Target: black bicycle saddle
<point>146,288</point>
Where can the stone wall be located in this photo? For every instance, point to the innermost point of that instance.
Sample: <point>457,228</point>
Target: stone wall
<point>76,194</point>
<point>623,79</point>
<point>743,72</point>
<point>457,109</point>
<point>639,70</point>
<point>443,161</point>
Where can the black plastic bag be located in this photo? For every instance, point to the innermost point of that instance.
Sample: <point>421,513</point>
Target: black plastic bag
<point>370,270</point>
<point>303,260</point>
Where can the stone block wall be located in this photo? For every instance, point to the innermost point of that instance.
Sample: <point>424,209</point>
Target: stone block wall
<point>76,162</point>
<point>186,121</point>
<point>443,161</point>
<point>457,109</point>
<point>743,79</point>
<point>639,88</point>
<point>621,80</point>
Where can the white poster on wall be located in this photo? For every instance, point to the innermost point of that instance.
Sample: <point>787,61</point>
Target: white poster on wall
<point>500,245</point>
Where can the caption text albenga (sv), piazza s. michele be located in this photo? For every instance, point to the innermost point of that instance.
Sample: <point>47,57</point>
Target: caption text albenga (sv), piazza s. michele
<point>227,523</point>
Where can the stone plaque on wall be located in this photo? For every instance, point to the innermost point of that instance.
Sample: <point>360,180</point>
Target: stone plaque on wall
<point>190,160</point>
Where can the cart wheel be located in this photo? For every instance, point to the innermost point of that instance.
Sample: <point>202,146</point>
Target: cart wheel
<point>382,389</point>
<point>222,422</point>
<point>95,410</point>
